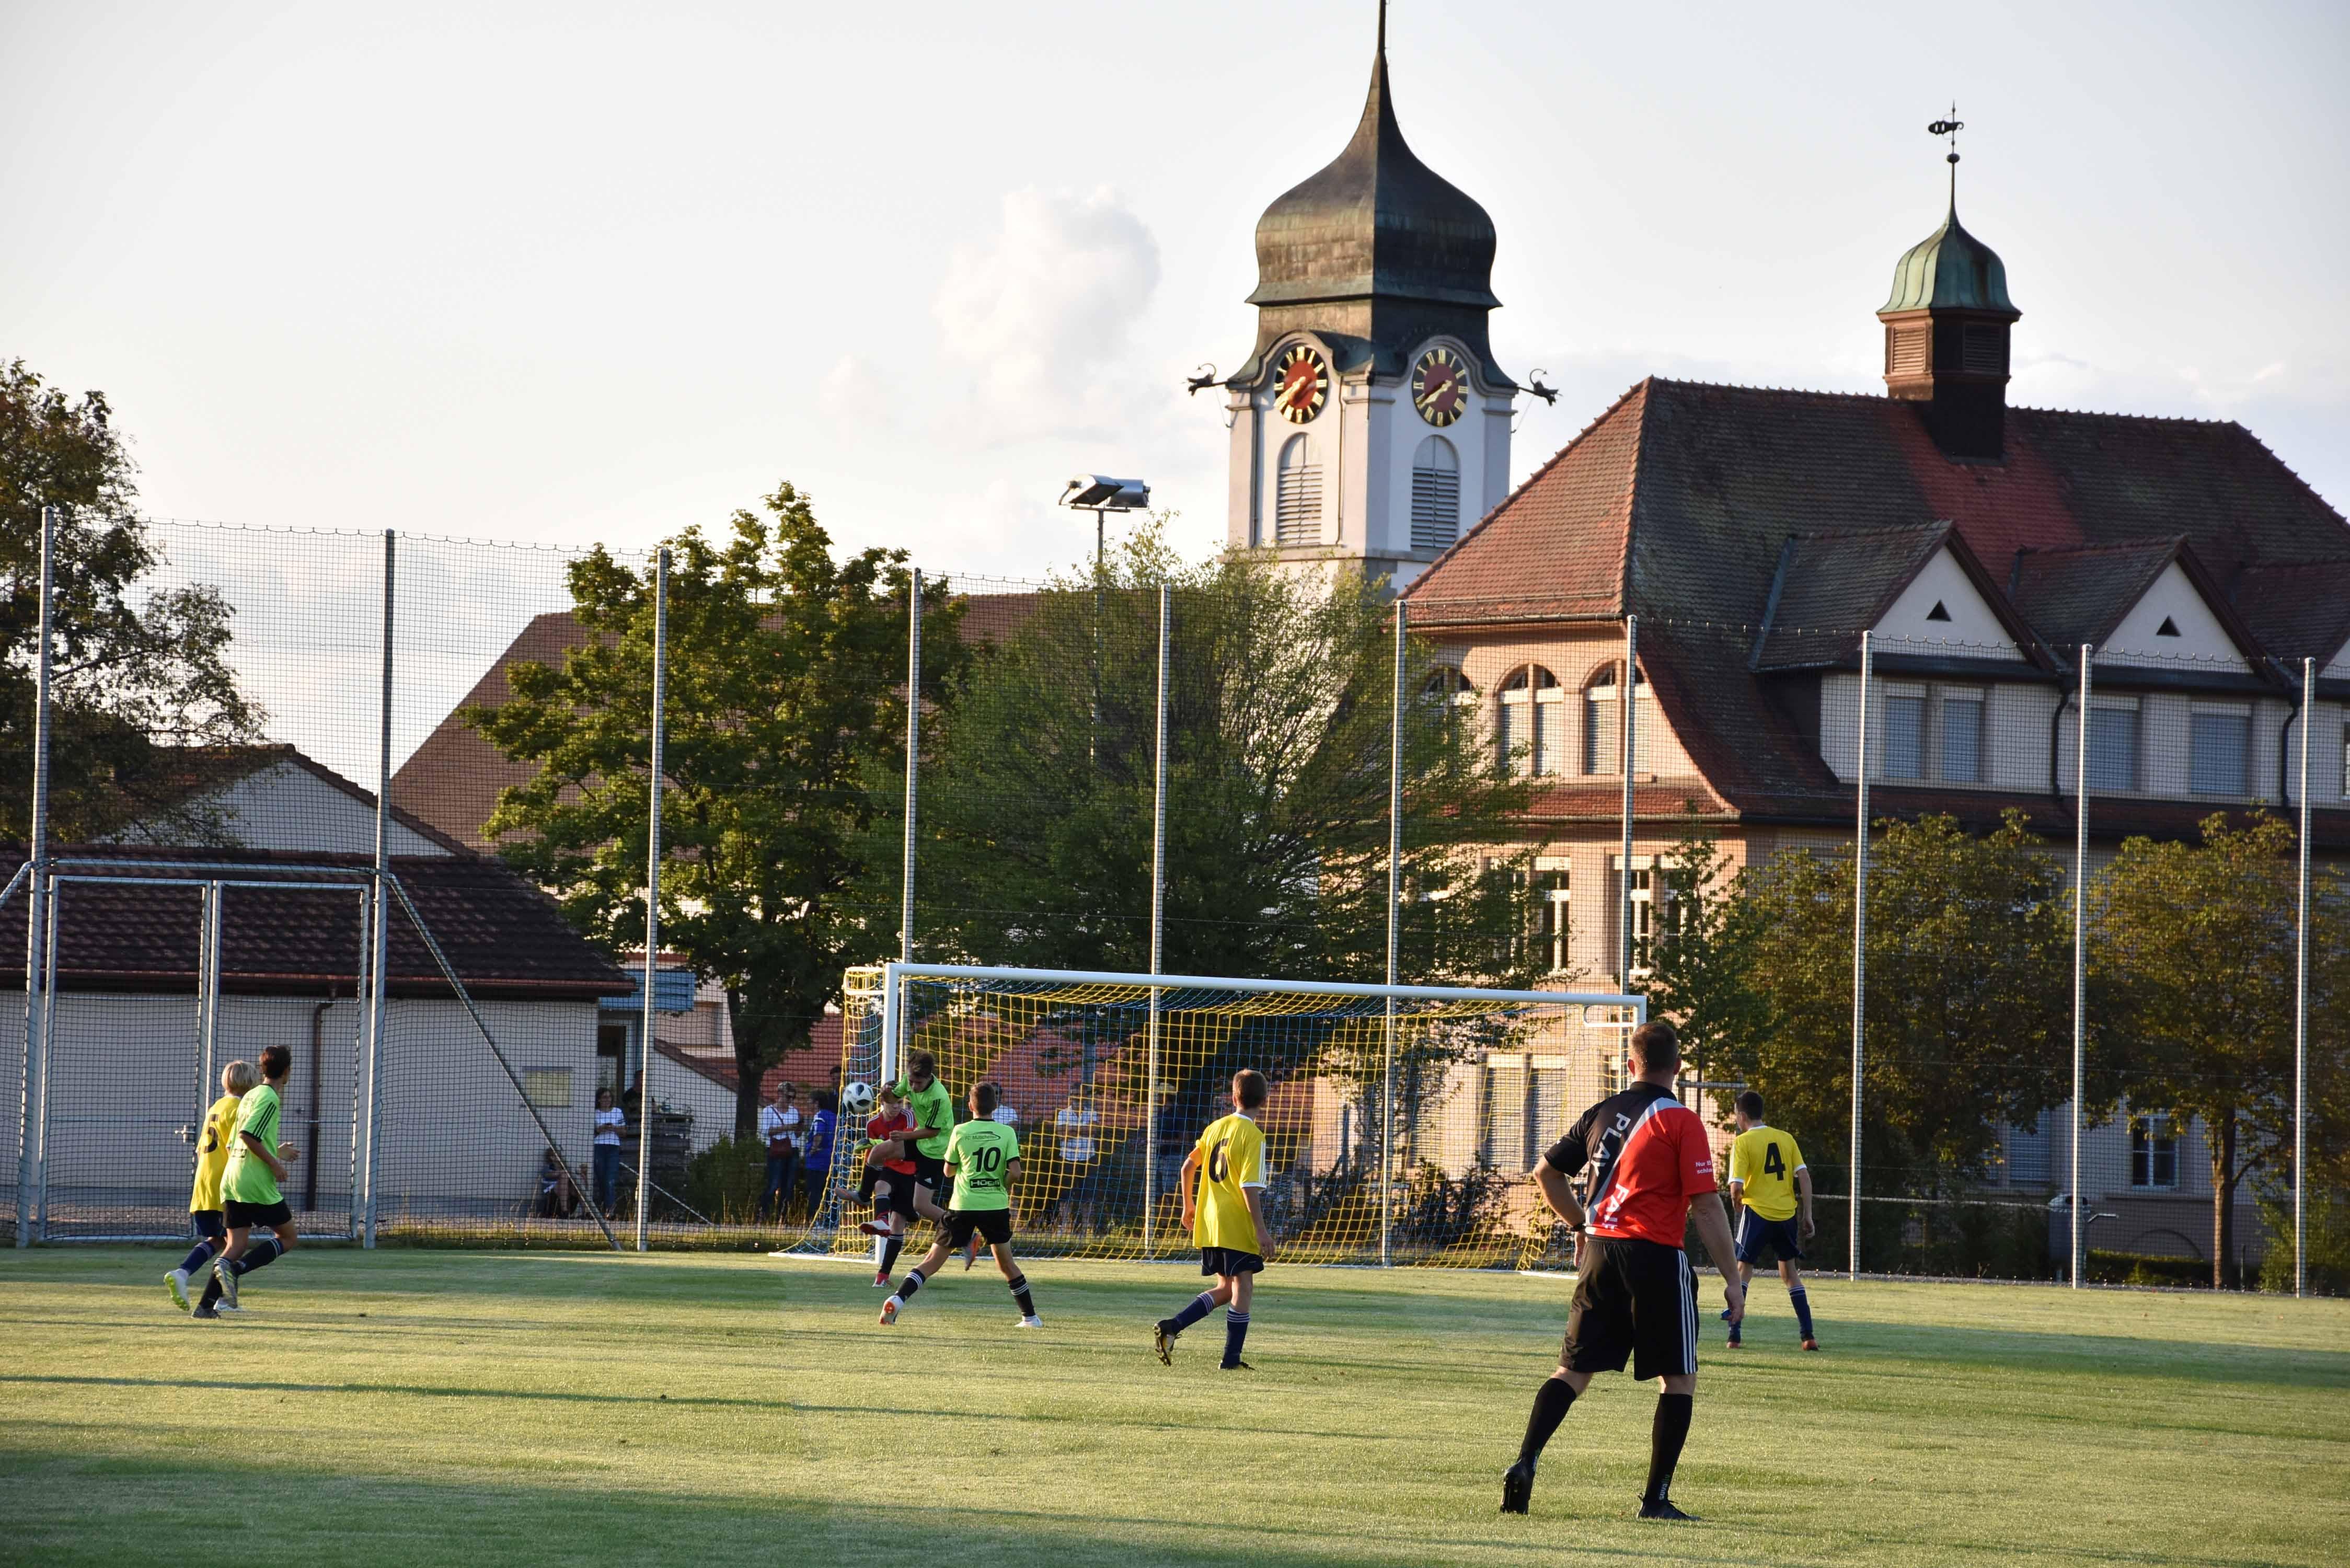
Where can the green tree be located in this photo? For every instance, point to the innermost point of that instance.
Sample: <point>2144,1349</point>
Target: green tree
<point>142,684</point>
<point>784,698</point>
<point>1698,974</point>
<point>1969,1015</point>
<point>2193,945</point>
<point>1037,796</point>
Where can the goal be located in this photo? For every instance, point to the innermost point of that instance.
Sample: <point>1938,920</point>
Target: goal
<point>1401,1122</point>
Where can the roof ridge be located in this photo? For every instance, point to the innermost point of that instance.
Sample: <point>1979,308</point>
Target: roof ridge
<point>1531,481</point>
<point>1872,532</point>
<point>2152,541</point>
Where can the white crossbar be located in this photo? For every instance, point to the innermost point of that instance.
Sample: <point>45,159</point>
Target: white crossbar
<point>892,974</point>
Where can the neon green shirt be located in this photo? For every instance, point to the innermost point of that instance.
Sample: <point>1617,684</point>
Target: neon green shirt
<point>982,1153</point>
<point>247,1179</point>
<point>931,1107</point>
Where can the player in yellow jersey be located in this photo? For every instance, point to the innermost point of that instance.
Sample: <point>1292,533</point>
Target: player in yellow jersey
<point>1769,1186</point>
<point>1226,1214</point>
<point>204,1213</point>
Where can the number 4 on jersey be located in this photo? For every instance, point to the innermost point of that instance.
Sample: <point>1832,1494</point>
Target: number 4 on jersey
<point>1772,1164</point>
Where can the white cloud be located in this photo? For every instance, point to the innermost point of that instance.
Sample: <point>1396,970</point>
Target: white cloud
<point>1041,317</point>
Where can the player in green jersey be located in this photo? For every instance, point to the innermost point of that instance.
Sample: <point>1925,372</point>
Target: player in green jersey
<point>933,1112</point>
<point>257,1164</point>
<point>984,1156</point>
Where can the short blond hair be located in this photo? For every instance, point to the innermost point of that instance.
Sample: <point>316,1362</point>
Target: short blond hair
<point>240,1076</point>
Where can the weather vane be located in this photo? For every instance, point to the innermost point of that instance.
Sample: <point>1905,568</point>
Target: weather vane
<point>1949,127</point>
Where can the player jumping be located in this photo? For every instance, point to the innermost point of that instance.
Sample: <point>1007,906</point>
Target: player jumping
<point>933,1112</point>
<point>1650,1168</point>
<point>984,1157</point>
<point>889,1178</point>
<point>1768,1180</point>
<point>204,1213</point>
<point>257,1164</point>
<point>1226,1221</point>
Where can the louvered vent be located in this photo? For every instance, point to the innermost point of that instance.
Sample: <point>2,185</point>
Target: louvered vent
<point>1986,349</point>
<point>1906,348</point>
<point>1435,508</point>
<point>1297,508</point>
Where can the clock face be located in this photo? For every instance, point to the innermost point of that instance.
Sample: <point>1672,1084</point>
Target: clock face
<point>1440,387</point>
<point>1301,385</point>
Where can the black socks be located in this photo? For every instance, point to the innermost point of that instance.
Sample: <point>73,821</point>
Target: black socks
<point>1801,1302</point>
<point>913,1283</point>
<point>890,1250</point>
<point>1019,1283</point>
<point>1665,1440</point>
<point>199,1256</point>
<point>1552,1401</point>
<point>259,1255</point>
<point>1195,1309</point>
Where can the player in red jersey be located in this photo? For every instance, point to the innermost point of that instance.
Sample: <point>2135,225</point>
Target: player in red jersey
<point>889,1178</point>
<point>1650,1168</point>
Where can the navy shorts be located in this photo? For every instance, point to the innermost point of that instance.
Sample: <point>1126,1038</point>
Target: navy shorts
<point>242,1215</point>
<point>1756,1233</point>
<point>207,1222</point>
<point>1225,1260</point>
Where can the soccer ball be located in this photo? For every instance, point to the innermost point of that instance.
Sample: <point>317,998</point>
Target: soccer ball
<point>856,1099</point>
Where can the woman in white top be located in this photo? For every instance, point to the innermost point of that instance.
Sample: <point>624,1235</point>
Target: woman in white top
<point>781,1129</point>
<point>610,1120</point>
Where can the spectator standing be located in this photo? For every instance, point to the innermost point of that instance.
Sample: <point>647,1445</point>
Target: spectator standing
<point>1073,1124</point>
<point>610,1120</point>
<point>779,1128</point>
<point>1005,1116</point>
<point>816,1163</point>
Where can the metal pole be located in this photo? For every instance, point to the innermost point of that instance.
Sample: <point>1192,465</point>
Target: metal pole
<point>208,990</point>
<point>1158,926</point>
<point>1395,857</point>
<point>1624,870</point>
<point>380,947</point>
<point>33,1112</point>
<point>2300,1003</point>
<point>2080,1256</point>
<point>652,897</point>
<point>48,1036</point>
<point>1859,951</point>
<point>913,764</point>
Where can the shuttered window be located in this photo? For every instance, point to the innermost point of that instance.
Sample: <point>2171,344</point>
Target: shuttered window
<point>1904,348</point>
<point>1435,494</point>
<point>2219,751</point>
<point>1297,498</point>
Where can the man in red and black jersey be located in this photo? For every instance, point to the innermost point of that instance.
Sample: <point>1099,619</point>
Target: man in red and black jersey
<point>1647,1167</point>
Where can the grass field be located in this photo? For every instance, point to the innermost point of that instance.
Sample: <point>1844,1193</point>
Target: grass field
<point>524,1408</point>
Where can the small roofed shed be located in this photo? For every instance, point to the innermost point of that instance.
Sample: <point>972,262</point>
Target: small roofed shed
<point>125,1064</point>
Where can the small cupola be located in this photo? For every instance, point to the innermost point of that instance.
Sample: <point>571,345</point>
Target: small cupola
<point>1946,333</point>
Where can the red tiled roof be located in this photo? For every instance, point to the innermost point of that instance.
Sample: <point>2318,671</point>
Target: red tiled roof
<point>1678,502</point>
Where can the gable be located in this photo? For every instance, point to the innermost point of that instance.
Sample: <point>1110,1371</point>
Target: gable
<point>285,807</point>
<point>2170,621</point>
<point>1941,607</point>
<point>2339,670</point>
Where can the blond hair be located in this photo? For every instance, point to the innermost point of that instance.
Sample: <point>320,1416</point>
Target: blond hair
<point>240,1076</point>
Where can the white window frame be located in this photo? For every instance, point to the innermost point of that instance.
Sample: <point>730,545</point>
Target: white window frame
<point>2235,711</point>
<point>1520,689</point>
<point>2160,1130</point>
<point>2131,706</point>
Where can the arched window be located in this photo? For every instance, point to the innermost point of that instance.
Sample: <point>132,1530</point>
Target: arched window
<point>1435,494</point>
<point>1448,696</point>
<point>1528,729</point>
<point>1603,722</point>
<point>1297,495</point>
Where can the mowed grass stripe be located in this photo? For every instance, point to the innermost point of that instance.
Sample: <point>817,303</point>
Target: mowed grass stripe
<point>414,1406</point>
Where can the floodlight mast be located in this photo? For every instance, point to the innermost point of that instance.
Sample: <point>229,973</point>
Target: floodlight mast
<point>1099,494</point>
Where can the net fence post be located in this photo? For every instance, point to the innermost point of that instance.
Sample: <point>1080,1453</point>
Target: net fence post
<point>1859,951</point>
<point>2079,1257</point>
<point>380,939</point>
<point>1158,926</point>
<point>1624,868</point>
<point>2300,1003</point>
<point>913,764</point>
<point>33,1112</point>
<point>1395,852</point>
<point>652,901</point>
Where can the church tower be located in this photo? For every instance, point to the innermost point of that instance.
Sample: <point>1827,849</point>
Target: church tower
<point>1946,333</point>
<point>1370,426</point>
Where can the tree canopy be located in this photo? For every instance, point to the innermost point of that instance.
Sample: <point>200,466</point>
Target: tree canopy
<point>141,679</point>
<point>784,701</point>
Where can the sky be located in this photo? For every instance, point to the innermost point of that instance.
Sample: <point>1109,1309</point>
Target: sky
<point>581,273</point>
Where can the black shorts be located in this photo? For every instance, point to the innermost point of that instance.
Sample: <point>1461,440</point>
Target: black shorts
<point>1634,1300</point>
<point>865,1183</point>
<point>929,1172</point>
<point>207,1222</point>
<point>1755,1234</point>
<point>243,1215</point>
<point>901,1199</point>
<point>1229,1260</point>
<point>994,1224</point>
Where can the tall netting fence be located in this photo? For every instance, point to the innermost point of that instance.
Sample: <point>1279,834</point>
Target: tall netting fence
<point>1398,1137</point>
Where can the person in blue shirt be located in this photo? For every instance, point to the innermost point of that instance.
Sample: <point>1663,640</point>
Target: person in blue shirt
<point>815,1160</point>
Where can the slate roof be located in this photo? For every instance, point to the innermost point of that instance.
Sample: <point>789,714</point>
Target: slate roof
<point>1682,500</point>
<point>504,937</point>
